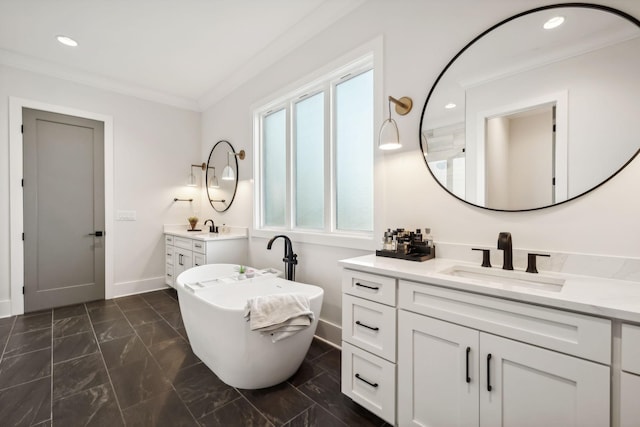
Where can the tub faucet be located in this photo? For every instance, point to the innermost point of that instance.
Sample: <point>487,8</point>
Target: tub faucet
<point>504,243</point>
<point>290,259</point>
<point>212,228</point>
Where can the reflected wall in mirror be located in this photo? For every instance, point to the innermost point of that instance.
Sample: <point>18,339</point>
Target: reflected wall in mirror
<point>524,117</point>
<point>221,191</point>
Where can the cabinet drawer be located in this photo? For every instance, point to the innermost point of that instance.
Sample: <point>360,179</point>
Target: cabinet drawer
<point>631,348</point>
<point>198,259</point>
<point>571,333</point>
<point>180,242</point>
<point>199,246</point>
<point>370,326</point>
<point>369,286</point>
<point>168,239</point>
<point>168,277</point>
<point>369,381</point>
<point>168,254</point>
<point>629,392</point>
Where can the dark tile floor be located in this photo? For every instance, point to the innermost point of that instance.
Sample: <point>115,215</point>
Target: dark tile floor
<point>128,362</point>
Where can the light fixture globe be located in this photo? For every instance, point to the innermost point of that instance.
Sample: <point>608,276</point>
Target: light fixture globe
<point>228,174</point>
<point>389,137</point>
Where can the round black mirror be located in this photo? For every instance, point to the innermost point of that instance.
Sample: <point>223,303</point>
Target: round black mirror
<point>537,110</point>
<point>222,175</point>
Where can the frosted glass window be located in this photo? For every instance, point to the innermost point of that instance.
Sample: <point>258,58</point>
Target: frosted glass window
<point>439,170</point>
<point>458,177</point>
<point>354,153</point>
<point>309,166</point>
<point>274,167</point>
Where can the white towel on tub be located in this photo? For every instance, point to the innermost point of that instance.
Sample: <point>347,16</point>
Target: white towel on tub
<point>279,315</point>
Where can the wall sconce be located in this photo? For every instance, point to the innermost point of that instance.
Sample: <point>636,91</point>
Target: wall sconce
<point>227,173</point>
<point>213,181</point>
<point>389,137</point>
<point>193,179</point>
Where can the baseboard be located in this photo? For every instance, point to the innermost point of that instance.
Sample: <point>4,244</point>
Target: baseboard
<point>329,332</point>
<point>137,287</point>
<point>5,308</point>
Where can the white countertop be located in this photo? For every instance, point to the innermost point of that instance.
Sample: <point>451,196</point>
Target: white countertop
<point>235,233</point>
<point>618,299</point>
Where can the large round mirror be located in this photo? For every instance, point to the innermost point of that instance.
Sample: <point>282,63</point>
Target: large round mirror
<point>222,175</point>
<point>539,109</point>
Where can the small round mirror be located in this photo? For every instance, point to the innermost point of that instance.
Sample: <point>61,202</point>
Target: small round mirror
<point>222,176</point>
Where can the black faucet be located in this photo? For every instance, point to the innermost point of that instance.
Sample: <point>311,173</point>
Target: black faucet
<point>290,259</point>
<point>212,228</point>
<point>504,243</point>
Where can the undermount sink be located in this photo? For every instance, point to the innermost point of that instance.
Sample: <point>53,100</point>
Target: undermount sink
<point>506,278</point>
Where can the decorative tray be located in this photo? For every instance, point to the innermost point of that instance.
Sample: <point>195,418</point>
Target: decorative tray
<point>411,256</point>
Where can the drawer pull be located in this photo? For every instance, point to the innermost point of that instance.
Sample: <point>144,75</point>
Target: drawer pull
<point>373,328</point>
<point>368,382</point>
<point>467,365</point>
<point>489,372</point>
<point>375,288</point>
<point>197,265</point>
<point>169,275</point>
<point>198,246</point>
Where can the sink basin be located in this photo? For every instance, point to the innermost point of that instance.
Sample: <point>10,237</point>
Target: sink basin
<point>507,279</point>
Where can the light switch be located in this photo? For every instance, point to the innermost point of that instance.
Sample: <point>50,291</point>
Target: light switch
<point>125,215</point>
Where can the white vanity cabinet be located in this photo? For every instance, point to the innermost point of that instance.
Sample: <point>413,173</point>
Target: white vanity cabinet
<point>630,376</point>
<point>467,360</point>
<point>464,359</point>
<point>183,253</point>
<point>369,341</point>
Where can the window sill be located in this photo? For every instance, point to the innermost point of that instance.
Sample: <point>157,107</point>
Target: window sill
<point>351,241</point>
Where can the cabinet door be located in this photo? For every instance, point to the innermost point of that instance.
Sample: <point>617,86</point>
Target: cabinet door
<point>437,372</point>
<point>527,386</point>
<point>182,260</point>
<point>629,407</point>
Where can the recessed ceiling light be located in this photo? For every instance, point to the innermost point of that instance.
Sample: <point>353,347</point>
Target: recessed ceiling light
<point>450,106</point>
<point>67,41</point>
<point>554,22</point>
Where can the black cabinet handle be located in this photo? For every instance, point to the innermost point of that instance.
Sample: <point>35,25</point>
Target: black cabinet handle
<point>489,372</point>
<point>180,259</point>
<point>368,287</point>
<point>373,328</point>
<point>468,377</point>
<point>368,382</point>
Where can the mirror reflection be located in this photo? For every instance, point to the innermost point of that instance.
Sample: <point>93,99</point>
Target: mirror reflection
<point>221,176</point>
<point>526,117</point>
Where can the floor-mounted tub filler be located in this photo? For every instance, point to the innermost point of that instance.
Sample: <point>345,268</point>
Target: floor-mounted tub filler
<point>213,302</point>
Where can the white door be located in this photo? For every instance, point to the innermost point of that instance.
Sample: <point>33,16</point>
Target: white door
<point>526,386</point>
<point>437,372</point>
<point>63,209</point>
<point>629,395</point>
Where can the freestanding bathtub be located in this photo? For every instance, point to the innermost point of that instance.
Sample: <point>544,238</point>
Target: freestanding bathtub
<point>212,302</point>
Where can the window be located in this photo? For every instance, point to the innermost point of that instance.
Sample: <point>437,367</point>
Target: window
<point>315,155</point>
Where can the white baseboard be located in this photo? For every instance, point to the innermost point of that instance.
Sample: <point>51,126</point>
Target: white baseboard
<point>329,332</point>
<point>5,308</point>
<point>137,287</point>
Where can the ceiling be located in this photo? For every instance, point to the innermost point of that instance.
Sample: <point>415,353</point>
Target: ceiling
<point>186,53</point>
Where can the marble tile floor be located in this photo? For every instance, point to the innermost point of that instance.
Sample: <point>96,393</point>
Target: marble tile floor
<point>127,361</point>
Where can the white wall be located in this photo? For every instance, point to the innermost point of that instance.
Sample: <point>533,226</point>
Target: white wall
<point>419,39</point>
<point>153,147</point>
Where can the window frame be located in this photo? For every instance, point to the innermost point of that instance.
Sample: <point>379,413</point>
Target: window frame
<point>325,81</point>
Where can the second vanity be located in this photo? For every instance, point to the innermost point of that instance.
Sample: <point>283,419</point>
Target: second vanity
<point>450,343</point>
<point>184,249</point>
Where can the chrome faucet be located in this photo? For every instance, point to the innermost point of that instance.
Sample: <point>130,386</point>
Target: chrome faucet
<point>290,259</point>
<point>212,228</point>
<point>504,243</point>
